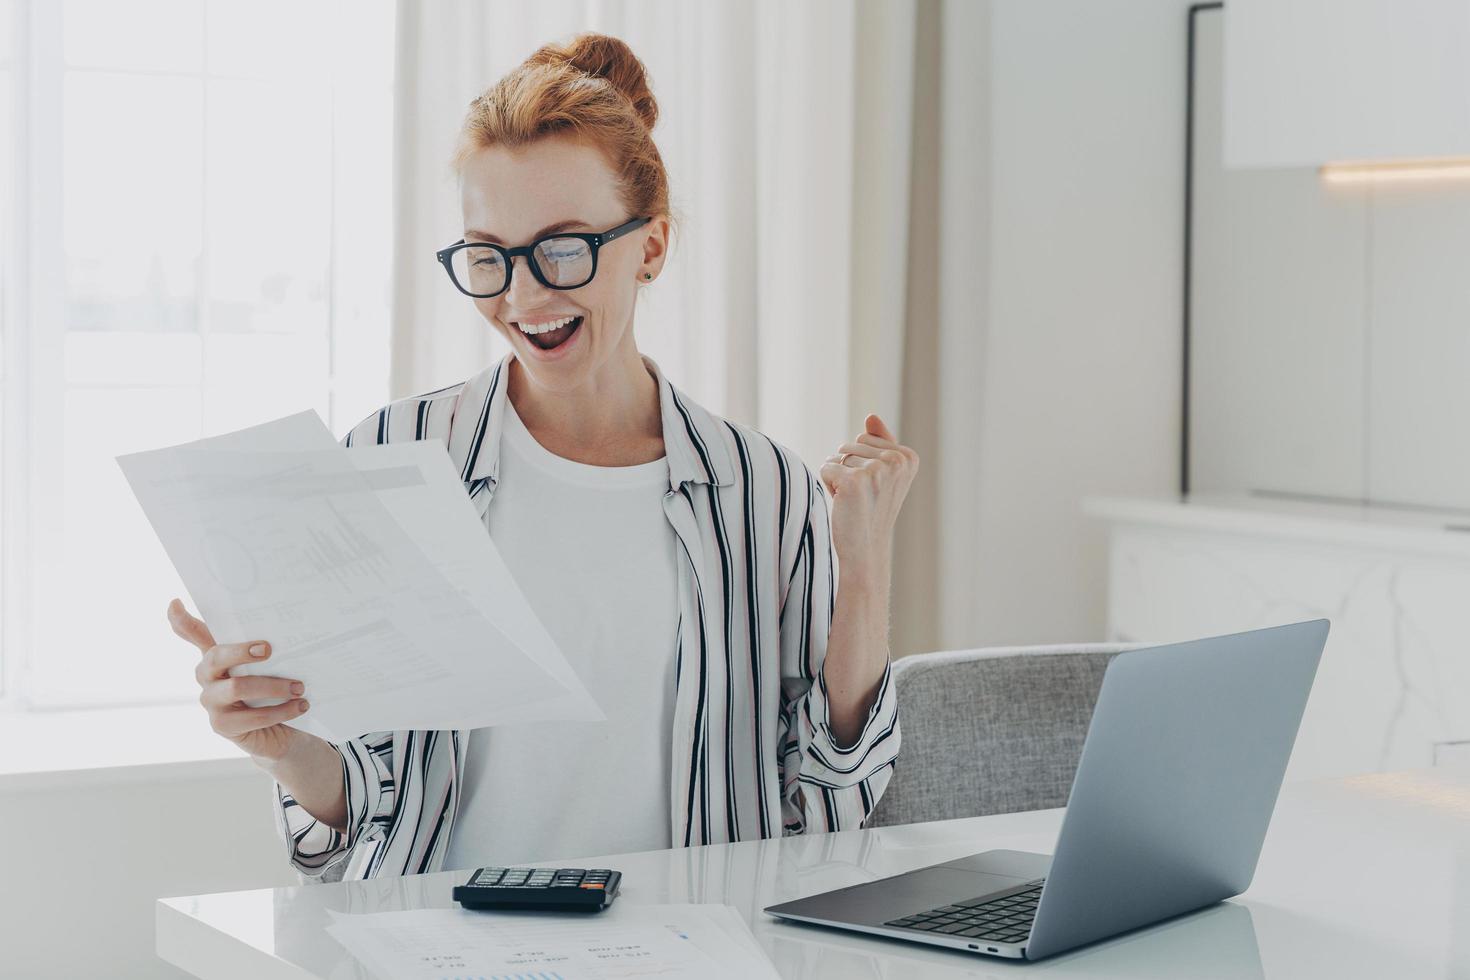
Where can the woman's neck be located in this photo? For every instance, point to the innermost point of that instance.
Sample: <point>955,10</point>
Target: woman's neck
<point>613,419</point>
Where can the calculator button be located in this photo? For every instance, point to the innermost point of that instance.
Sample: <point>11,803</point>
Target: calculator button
<point>589,884</point>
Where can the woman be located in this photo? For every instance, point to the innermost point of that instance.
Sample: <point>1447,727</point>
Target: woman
<point>684,563</point>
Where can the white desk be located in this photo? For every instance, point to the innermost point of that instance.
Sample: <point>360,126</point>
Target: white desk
<point>1366,876</point>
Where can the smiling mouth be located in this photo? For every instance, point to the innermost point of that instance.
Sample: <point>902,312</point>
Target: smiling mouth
<point>549,339</point>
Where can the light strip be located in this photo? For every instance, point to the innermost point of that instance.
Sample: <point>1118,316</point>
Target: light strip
<point>1428,168</point>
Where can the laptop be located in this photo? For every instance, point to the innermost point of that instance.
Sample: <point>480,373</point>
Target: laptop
<point>1179,773</point>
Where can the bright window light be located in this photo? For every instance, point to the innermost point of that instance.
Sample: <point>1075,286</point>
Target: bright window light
<point>207,245</point>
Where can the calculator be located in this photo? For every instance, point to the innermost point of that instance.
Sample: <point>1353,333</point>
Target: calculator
<point>546,889</point>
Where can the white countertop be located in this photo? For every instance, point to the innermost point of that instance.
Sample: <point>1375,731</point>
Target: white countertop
<point>1372,526</point>
<point>1367,876</point>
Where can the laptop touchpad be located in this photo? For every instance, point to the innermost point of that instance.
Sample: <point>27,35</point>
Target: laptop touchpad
<point>876,902</point>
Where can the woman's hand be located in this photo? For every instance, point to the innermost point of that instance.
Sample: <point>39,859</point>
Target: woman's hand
<point>868,486</point>
<point>256,730</point>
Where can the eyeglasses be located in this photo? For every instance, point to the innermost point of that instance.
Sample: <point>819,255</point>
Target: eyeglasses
<point>565,260</point>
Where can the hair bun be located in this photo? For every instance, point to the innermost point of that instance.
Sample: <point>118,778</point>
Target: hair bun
<point>605,56</point>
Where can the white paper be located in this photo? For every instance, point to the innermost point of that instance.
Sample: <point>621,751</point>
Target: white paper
<point>304,430</point>
<point>671,942</point>
<point>465,553</point>
<point>368,570</point>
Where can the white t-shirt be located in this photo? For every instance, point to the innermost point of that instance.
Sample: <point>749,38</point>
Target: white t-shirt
<point>595,555</point>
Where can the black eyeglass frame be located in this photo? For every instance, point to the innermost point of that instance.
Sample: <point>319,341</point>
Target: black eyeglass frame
<point>594,241</point>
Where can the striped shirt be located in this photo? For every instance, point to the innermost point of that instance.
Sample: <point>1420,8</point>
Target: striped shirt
<point>753,753</point>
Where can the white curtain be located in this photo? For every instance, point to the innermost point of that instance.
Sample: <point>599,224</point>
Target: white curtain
<point>826,167</point>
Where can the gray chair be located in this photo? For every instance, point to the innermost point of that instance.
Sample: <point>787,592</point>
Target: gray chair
<point>995,730</point>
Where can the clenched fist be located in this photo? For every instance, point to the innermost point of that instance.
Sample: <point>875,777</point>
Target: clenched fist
<point>868,480</point>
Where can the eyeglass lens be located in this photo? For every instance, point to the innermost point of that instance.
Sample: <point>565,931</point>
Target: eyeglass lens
<point>564,262</point>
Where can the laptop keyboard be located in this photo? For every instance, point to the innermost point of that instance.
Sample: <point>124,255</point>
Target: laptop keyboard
<point>1003,920</point>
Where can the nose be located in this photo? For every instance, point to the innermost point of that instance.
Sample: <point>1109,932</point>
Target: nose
<point>526,291</point>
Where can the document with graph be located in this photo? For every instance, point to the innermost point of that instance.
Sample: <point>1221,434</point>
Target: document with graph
<point>671,942</point>
<point>367,569</point>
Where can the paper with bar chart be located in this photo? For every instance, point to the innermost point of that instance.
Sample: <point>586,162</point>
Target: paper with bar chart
<point>367,569</point>
<point>671,942</point>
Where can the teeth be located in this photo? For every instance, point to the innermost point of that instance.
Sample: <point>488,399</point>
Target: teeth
<point>534,328</point>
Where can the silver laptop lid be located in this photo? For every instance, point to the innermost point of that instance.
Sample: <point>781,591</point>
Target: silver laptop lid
<point>1178,777</point>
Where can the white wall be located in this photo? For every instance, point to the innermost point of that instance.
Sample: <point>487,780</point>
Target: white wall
<point>1328,322</point>
<point>1080,374</point>
<point>82,863</point>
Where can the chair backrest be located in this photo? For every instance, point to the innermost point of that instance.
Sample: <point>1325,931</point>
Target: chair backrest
<point>995,730</point>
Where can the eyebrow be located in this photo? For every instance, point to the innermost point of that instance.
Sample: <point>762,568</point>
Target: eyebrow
<point>471,235</point>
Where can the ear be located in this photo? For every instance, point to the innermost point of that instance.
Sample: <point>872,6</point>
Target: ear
<point>655,247</point>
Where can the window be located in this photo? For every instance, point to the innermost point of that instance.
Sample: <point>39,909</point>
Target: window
<point>198,227</point>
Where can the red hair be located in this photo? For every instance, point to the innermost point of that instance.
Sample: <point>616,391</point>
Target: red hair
<point>592,88</point>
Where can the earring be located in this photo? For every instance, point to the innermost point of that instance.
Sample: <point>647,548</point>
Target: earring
<point>647,275</point>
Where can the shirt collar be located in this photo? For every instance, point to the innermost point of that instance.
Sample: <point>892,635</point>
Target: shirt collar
<point>694,441</point>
